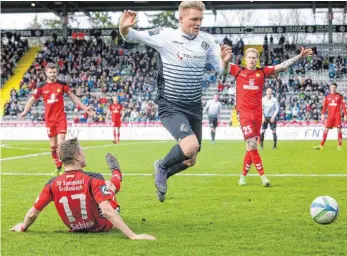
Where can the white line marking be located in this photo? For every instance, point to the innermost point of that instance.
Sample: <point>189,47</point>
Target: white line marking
<point>92,147</point>
<point>45,149</point>
<point>194,174</point>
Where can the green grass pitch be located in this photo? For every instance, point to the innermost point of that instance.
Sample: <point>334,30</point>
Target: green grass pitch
<point>203,214</point>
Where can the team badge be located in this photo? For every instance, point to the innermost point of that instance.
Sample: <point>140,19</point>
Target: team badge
<point>205,45</point>
<point>257,75</point>
<point>58,90</point>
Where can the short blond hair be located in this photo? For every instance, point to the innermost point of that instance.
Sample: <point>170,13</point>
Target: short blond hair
<point>184,5</point>
<point>253,50</point>
<point>67,151</point>
<point>50,65</point>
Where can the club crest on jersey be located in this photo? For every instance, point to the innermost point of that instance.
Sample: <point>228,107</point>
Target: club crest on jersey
<point>257,75</point>
<point>58,90</point>
<point>205,45</point>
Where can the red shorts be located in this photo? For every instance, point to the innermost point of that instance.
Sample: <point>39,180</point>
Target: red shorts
<point>103,224</point>
<point>250,123</point>
<point>55,128</point>
<point>116,122</point>
<point>334,121</point>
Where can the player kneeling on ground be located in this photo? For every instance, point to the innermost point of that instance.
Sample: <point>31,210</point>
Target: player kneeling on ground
<point>84,201</point>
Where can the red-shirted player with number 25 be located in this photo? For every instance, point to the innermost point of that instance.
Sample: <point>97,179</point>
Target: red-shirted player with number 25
<point>52,93</point>
<point>249,91</point>
<point>84,201</point>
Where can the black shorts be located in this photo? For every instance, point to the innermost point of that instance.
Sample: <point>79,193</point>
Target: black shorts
<point>180,123</point>
<point>213,121</point>
<point>272,125</point>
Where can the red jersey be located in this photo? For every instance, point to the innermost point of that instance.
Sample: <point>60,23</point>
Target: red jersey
<point>76,195</point>
<point>116,110</point>
<point>249,87</point>
<point>53,98</point>
<point>335,104</point>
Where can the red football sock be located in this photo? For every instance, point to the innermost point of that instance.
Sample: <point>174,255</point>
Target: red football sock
<point>116,179</point>
<point>247,163</point>
<point>257,161</point>
<point>57,161</point>
<point>324,138</point>
<point>339,136</point>
<point>114,136</point>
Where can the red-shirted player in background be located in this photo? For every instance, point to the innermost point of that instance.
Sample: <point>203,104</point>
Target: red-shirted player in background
<point>84,201</point>
<point>52,93</point>
<point>335,104</point>
<point>117,116</point>
<point>249,91</point>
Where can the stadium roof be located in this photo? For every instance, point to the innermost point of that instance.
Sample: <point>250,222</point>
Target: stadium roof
<point>93,6</point>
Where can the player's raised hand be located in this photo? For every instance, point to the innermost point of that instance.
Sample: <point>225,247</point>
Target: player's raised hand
<point>22,115</point>
<point>305,52</point>
<point>226,53</point>
<point>345,118</point>
<point>128,19</point>
<point>143,237</point>
<point>18,228</point>
<point>90,112</point>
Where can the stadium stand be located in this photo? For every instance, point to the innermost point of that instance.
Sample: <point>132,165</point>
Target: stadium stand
<point>96,71</point>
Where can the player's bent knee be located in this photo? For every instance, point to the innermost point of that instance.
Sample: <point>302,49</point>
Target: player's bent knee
<point>190,146</point>
<point>251,143</point>
<point>54,148</point>
<point>190,162</point>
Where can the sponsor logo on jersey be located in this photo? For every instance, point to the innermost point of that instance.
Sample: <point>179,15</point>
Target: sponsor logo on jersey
<point>44,92</point>
<point>182,56</point>
<point>205,45</point>
<point>154,31</point>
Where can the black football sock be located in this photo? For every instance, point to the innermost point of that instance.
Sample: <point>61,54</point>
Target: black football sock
<point>175,156</point>
<point>176,169</point>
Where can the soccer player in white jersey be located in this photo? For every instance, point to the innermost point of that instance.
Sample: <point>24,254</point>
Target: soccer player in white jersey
<point>213,109</point>
<point>270,111</point>
<point>183,54</point>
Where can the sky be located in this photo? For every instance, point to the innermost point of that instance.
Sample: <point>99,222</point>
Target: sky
<point>223,18</point>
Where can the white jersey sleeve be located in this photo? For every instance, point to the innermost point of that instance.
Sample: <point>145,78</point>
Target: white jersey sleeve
<point>153,37</point>
<point>214,54</point>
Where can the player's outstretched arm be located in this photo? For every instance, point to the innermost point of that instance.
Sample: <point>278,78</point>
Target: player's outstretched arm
<point>29,219</point>
<point>225,56</point>
<point>78,102</point>
<point>27,107</point>
<point>286,64</point>
<point>118,223</point>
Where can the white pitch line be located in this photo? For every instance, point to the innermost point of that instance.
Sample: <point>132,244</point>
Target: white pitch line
<point>92,147</point>
<point>193,174</point>
<point>45,149</point>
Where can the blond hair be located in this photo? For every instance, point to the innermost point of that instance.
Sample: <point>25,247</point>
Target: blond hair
<point>184,5</point>
<point>67,151</point>
<point>253,50</point>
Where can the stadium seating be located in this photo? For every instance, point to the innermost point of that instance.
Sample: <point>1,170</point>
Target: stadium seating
<point>97,71</point>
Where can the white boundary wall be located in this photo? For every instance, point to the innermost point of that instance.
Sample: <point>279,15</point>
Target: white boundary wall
<point>160,133</point>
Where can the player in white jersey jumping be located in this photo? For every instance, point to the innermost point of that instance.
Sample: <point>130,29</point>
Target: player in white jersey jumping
<point>184,52</point>
<point>270,111</point>
<point>213,109</point>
